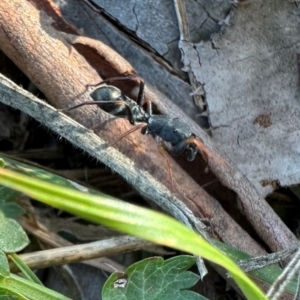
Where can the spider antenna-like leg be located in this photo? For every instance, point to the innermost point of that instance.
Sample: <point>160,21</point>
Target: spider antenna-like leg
<point>78,105</point>
<point>163,152</point>
<point>129,112</point>
<point>140,126</point>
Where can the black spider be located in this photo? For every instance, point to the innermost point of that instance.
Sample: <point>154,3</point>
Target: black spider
<point>171,130</point>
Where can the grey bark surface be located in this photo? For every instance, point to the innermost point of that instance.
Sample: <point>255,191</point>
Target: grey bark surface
<point>252,89</point>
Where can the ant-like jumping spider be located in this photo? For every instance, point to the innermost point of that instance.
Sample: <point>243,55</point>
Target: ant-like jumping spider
<point>171,130</point>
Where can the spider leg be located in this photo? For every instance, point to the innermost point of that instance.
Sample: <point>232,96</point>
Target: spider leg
<point>149,108</point>
<point>141,95</point>
<point>103,103</point>
<point>78,105</point>
<point>162,151</point>
<point>118,78</point>
<point>129,112</point>
<point>128,132</point>
<point>191,150</point>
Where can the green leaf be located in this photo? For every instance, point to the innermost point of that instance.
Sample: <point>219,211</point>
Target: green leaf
<point>7,195</point>
<point>12,236</point>
<point>11,210</point>
<point>153,278</point>
<point>4,266</point>
<point>7,207</point>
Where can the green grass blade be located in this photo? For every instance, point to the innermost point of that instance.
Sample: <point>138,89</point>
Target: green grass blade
<point>28,289</point>
<point>24,269</point>
<point>128,218</point>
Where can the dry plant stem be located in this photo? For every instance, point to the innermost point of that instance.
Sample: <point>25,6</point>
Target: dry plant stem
<point>78,253</point>
<point>62,74</point>
<point>47,237</point>
<point>259,262</point>
<point>297,296</point>
<point>54,240</point>
<point>266,223</point>
<point>288,273</point>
